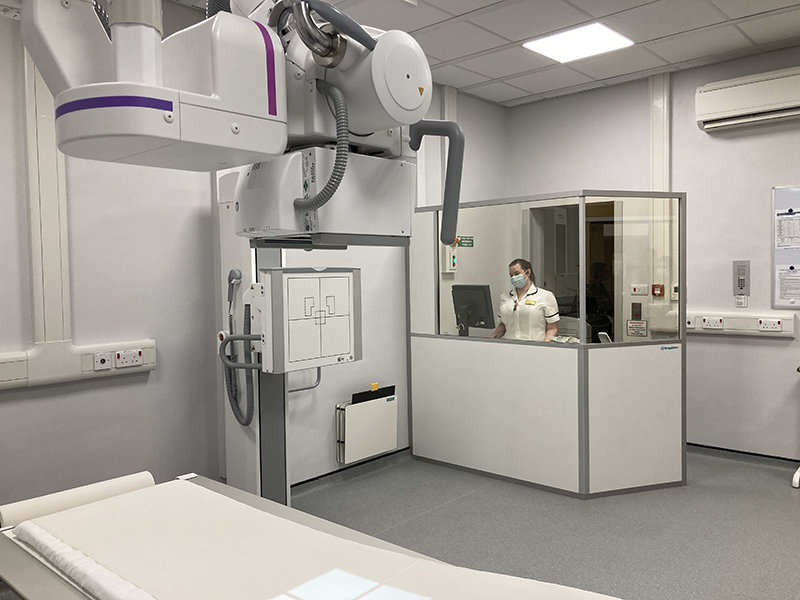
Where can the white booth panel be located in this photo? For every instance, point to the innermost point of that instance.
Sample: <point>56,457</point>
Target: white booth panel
<point>422,266</point>
<point>508,409</point>
<point>635,416</point>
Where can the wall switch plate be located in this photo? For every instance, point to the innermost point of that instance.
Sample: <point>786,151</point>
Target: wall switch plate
<point>675,296</point>
<point>639,289</point>
<point>741,278</point>
<point>690,323</point>
<point>769,325</point>
<point>128,358</point>
<point>102,361</point>
<point>741,301</point>
<point>712,323</point>
<point>449,259</point>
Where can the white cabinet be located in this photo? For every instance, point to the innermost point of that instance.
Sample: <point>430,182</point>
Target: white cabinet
<point>310,318</point>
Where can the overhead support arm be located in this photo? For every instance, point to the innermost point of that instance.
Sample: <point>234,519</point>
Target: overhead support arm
<point>67,42</point>
<point>455,164</point>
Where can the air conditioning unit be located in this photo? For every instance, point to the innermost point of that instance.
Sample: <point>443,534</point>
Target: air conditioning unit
<point>765,98</point>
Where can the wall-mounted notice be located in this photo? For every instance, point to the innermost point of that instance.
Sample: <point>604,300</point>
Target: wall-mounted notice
<point>786,248</point>
<point>637,329</point>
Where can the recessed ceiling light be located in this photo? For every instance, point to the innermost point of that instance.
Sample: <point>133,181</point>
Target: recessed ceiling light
<point>588,40</point>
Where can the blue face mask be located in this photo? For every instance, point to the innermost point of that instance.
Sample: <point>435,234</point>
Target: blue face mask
<point>518,281</point>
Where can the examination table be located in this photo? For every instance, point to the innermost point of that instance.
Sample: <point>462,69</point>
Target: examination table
<point>198,539</point>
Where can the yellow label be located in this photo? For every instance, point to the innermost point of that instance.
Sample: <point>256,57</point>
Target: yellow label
<point>530,302</point>
<point>374,387</point>
<point>421,91</point>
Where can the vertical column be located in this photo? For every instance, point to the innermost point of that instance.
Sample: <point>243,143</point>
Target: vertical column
<point>48,213</point>
<point>665,266</point>
<point>273,414</point>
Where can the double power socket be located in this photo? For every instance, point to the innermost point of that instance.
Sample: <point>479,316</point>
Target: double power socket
<point>118,360</point>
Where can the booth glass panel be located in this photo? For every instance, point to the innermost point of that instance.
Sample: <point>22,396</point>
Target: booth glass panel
<point>632,269</point>
<point>473,275</point>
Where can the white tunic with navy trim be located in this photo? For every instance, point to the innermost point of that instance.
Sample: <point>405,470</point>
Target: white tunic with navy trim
<point>526,318</point>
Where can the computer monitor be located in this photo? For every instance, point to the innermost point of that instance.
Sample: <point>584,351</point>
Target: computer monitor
<point>473,306</point>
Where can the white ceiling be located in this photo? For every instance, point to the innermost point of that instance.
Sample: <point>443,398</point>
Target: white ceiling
<point>476,45</point>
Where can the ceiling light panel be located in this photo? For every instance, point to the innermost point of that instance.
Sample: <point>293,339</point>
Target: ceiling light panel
<point>582,42</point>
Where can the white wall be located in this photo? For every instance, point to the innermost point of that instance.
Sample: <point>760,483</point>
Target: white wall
<point>141,260</point>
<point>593,140</point>
<point>486,149</point>
<point>742,393</point>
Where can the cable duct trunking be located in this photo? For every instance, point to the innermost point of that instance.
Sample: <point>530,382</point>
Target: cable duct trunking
<point>745,101</point>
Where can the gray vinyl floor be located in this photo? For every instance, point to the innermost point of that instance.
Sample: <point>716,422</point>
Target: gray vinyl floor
<point>732,534</point>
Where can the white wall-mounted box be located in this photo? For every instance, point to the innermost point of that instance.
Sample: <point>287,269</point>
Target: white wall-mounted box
<point>309,317</point>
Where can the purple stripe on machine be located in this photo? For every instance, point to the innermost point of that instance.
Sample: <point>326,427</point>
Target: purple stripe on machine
<point>113,101</point>
<point>272,95</point>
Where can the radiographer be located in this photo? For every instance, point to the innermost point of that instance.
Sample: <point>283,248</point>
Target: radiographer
<point>527,312</point>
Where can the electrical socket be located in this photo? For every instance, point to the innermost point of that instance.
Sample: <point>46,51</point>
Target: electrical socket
<point>769,325</point>
<point>640,289</point>
<point>128,358</point>
<point>102,361</point>
<point>690,323</point>
<point>712,323</point>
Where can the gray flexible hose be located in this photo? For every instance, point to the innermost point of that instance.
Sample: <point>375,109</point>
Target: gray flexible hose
<point>342,23</point>
<point>342,150</point>
<point>230,377</point>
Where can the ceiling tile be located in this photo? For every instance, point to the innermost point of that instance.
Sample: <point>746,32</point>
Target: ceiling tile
<point>460,7</point>
<point>551,79</point>
<point>530,18</point>
<point>698,44</point>
<point>664,18</point>
<point>601,8</point>
<point>507,62</point>
<point>573,90</point>
<point>393,14</point>
<point>521,101</point>
<point>620,62</point>
<point>773,28</point>
<point>457,40</point>
<point>744,8</point>
<point>456,76</point>
<point>496,92</point>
